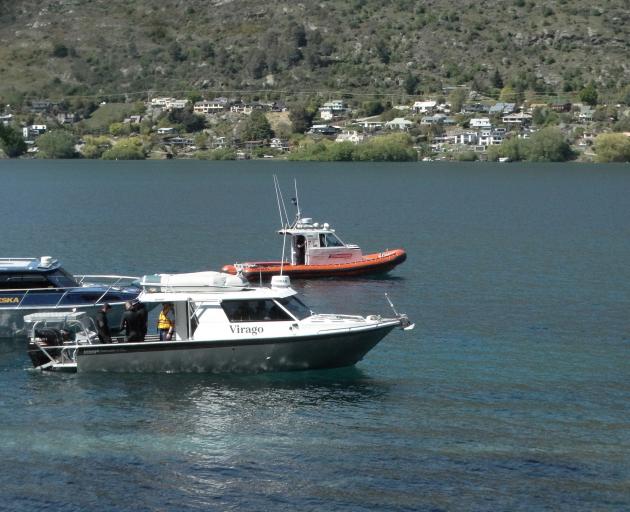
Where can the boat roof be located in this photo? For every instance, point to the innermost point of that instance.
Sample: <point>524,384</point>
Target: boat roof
<point>216,296</point>
<point>306,225</point>
<point>55,316</point>
<point>29,264</point>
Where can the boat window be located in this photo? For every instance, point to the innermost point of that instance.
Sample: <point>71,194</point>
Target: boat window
<point>296,307</point>
<point>62,279</point>
<point>23,281</point>
<point>329,240</point>
<point>254,311</point>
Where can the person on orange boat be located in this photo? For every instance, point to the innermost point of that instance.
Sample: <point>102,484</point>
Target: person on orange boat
<point>166,322</point>
<point>300,249</point>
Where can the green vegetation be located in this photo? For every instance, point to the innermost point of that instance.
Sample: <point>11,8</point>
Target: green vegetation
<point>126,149</point>
<point>57,144</point>
<point>386,148</point>
<point>612,147</point>
<point>115,50</point>
<point>110,113</point>
<point>11,141</point>
<point>257,127</point>
<point>546,145</point>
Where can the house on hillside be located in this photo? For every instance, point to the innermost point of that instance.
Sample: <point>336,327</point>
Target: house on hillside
<point>424,107</point>
<point>279,144</point>
<point>475,108</point>
<point>561,105</point>
<point>350,136</point>
<point>324,129</point>
<point>520,118</point>
<point>502,108</point>
<point>480,122</point>
<point>399,123</point>
<point>209,107</point>
<point>33,131</point>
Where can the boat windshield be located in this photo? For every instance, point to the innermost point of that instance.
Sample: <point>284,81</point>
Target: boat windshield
<point>62,279</point>
<point>329,240</point>
<point>296,307</point>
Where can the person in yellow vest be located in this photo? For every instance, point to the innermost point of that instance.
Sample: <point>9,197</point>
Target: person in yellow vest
<point>166,322</point>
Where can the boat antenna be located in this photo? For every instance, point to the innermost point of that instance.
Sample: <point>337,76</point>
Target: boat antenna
<point>284,242</point>
<point>280,200</point>
<point>391,304</point>
<point>296,200</point>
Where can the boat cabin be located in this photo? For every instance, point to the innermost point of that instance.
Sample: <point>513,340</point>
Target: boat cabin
<point>315,244</point>
<point>29,273</point>
<point>210,305</point>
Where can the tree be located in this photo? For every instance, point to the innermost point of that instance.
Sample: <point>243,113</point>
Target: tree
<point>127,149</point>
<point>612,147</point>
<point>190,121</point>
<point>257,127</point>
<point>301,119</point>
<point>382,51</point>
<point>497,81</point>
<point>456,98</point>
<point>549,145</point>
<point>56,144</point>
<point>589,94</point>
<point>411,83</point>
<point>11,141</point>
<point>508,94</point>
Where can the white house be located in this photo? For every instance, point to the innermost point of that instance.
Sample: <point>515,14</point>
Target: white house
<point>422,107</point>
<point>32,131</point>
<point>518,118</point>
<point>208,107</point>
<point>481,122</point>
<point>468,138</point>
<point>350,136</point>
<point>168,103</point>
<point>166,130</point>
<point>280,144</point>
<point>399,123</point>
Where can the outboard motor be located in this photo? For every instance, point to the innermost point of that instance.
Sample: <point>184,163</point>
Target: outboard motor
<point>44,337</point>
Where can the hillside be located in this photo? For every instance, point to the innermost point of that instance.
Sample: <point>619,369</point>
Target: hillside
<point>80,48</point>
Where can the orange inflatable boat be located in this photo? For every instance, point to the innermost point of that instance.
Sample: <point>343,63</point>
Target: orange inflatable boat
<point>316,251</point>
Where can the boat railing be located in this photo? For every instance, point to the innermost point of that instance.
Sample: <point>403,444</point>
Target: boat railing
<point>82,336</point>
<point>106,279</point>
<point>64,292</point>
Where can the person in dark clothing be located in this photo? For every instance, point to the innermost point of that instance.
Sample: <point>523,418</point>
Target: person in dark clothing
<point>143,317</point>
<point>102,325</point>
<point>131,323</point>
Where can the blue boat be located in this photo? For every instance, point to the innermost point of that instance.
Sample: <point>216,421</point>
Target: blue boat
<point>31,285</point>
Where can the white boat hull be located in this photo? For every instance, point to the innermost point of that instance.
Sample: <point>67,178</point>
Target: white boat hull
<point>330,350</point>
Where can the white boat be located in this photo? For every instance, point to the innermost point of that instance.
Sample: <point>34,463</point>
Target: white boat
<point>30,285</point>
<point>222,325</point>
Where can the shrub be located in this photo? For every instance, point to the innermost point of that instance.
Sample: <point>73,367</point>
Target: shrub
<point>127,149</point>
<point>612,147</point>
<point>56,144</point>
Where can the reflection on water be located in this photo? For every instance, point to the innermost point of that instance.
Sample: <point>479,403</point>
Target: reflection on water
<point>510,394</point>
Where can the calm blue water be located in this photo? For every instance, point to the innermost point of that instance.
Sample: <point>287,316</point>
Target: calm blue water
<point>511,394</point>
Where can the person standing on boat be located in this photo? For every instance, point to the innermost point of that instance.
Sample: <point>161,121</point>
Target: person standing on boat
<point>143,317</point>
<point>166,322</point>
<point>102,324</point>
<point>131,323</point>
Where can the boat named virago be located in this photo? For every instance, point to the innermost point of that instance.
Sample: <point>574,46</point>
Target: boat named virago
<point>222,325</point>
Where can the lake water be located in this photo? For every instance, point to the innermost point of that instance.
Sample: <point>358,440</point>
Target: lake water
<point>511,393</point>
